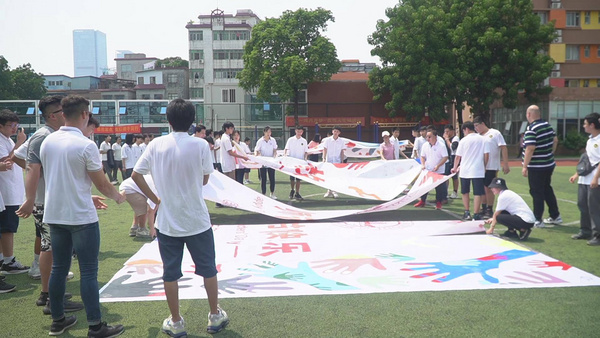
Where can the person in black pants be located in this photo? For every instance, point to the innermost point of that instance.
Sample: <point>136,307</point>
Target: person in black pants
<point>267,147</point>
<point>511,211</point>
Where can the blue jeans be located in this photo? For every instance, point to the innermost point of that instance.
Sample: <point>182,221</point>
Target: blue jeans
<point>85,239</point>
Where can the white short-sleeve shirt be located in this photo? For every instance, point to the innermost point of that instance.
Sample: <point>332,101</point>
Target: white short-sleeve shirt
<point>592,148</point>
<point>334,149</point>
<point>514,204</point>
<point>266,148</point>
<point>12,186</point>
<point>433,155</point>
<point>67,156</point>
<point>296,147</point>
<point>227,161</point>
<point>471,150</point>
<point>21,152</point>
<point>495,140</point>
<point>127,155</point>
<point>419,141</point>
<point>178,163</point>
<point>136,153</point>
<point>217,151</point>
<point>117,149</point>
<point>129,187</point>
<point>104,146</point>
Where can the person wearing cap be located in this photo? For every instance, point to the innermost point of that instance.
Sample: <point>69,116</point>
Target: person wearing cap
<point>511,211</point>
<point>387,150</point>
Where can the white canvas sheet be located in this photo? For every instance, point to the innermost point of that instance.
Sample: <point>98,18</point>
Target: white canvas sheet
<point>350,258</point>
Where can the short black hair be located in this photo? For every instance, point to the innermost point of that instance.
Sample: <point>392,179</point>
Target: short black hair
<point>199,128</point>
<point>265,129</point>
<point>181,114</point>
<point>6,115</point>
<point>299,127</point>
<point>228,124</point>
<point>336,127</point>
<point>129,139</point>
<point>468,125</point>
<point>93,121</point>
<point>593,118</point>
<point>423,128</point>
<point>48,101</point>
<point>246,139</point>
<point>479,119</point>
<point>74,105</point>
<point>449,127</point>
<point>396,129</point>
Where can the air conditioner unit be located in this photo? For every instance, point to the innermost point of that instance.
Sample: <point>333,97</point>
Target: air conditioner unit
<point>555,74</point>
<point>556,5</point>
<point>201,61</point>
<point>558,39</point>
<point>559,32</point>
<point>556,67</point>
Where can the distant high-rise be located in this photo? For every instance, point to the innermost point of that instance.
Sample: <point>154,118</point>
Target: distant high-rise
<point>89,52</point>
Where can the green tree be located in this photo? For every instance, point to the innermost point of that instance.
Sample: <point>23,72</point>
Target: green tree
<point>172,62</point>
<point>22,83</point>
<point>439,52</point>
<point>285,53</point>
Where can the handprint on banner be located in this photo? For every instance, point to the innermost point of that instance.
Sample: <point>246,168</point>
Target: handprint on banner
<point>549,264</point>
<point>144,266</point>
<point>456,269</point>
<point>302,274</point>
<point>381,282</point>
<point>397,258</point>
<point>536,277</point>
<point>348,265</point>
<point>232,285</point>
<point>146,288</point>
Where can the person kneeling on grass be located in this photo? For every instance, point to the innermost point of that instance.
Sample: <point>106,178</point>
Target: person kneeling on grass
<point>511,211</point>
<point>143,208</point>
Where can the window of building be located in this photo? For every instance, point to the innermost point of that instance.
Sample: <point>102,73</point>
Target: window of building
<point>231,35</point>
<point>145,96</point>
<point>172,78</point>
<point>196,36</point>
<point>140,80</point>
<point>153,79</point>
<point>59,83</point>
<point>543,17</point>
<point>586,83</point>
<point>51,83</point>
<point>226,73</point>
<point>119,97</point>
<point>573,19</point>
<point>598,50</point>
<point>235,54</point>
<point>228,95</point>
<point>126,68</point>
<point>196,55</point>
<point>572,53</point>
<point>158,96</point>
<point>197,75</point>
<point>197,93</point>
<point>172,96</point>
<point>586,51</point>
<point>588,18</point>
<point>572,83</point>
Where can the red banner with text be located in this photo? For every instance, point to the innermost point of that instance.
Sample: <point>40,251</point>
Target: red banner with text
<point>122,129</point>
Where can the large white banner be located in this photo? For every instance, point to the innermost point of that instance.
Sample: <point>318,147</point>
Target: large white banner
<point>359,149</point>
<point>224,190</point>
<point>296,259</point>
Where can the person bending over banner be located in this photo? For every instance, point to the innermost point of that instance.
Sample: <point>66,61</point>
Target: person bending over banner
<point>511,211</point>
<point>143,208</point>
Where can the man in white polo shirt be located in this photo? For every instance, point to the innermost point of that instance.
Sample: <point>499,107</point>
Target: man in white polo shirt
<point>104,148</point>
<point>333,152</point>
<point>471,157</point>
<point>296,147</point>
<point>434,155</point>
<point>228,154</point>
<point>183,217</point>
<point>71,164</point>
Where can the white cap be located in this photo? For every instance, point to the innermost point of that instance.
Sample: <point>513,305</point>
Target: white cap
<point>385,133</point>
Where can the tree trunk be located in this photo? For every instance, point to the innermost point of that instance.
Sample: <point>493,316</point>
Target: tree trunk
<point>296,106</point>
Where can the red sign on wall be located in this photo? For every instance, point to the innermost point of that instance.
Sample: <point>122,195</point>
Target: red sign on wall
<point>311,121</point>
<point>122,129</point>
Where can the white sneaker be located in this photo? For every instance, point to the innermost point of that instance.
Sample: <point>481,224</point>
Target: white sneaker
<point>70,275</point>
<point>174,329</point>
<point>133,231</point>
<point>34,271</point>
<point>273,196</point>
<point>143,233</point>
<point>453,195</point>
<point>217,322</point>
<point>539,224</point>
<point>550,220</point>
<point>246,182</point>
<point>335,195</point>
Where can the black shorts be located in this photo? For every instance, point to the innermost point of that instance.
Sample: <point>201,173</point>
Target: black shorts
<point>201,248</point>
<point>9,221</point>
<point>489,177</point>
<point>294,179</point>
<point>465,186</point>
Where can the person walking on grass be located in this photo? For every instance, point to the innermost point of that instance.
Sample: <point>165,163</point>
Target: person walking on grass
<point>267,147</point>
<point>333,152</point>
<point>183,219</point>
<point>588,196</point>
<point>511,211</point>
<point>296,147</point>
<point>434,155</point>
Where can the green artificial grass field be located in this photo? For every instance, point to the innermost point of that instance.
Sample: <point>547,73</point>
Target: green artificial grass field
<point>545,312</point>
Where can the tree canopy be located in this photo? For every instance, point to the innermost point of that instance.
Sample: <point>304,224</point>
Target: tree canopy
<point>21,83</point>
<point>287,52</point>
<point>169,62</point>
<point>438,52</point>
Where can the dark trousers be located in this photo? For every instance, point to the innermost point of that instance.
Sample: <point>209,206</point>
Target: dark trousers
<point>118,167</point>
<point>512,222</point>
<point>239,175</point>
<point>588,201</point>
<point>441,191</point>
<point>541,191</point>
<point>263,179</point>
<point>108,170</point>
<point>128,173</point>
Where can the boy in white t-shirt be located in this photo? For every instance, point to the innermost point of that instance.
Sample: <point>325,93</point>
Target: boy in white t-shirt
<point>511,211</point>
<point>333,152</point>
<point>177,162</point>
<point>296,147</point>
<point>228,155</point>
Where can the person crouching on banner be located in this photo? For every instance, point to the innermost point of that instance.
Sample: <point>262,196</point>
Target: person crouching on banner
<point>511,211</point>
<point>434,155</point>
<point>143,208</point>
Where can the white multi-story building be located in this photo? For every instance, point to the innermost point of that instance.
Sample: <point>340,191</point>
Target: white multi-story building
<point>216,45</point>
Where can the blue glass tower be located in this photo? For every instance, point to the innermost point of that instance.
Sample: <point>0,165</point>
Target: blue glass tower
<point>89,52</point>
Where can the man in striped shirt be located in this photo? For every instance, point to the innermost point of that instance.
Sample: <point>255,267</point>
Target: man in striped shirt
<point>540,143</point>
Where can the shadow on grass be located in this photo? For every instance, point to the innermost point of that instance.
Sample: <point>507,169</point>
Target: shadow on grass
<point>112,255</point>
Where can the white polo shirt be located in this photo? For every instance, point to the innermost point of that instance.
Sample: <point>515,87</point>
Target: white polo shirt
<point>592,149</point>
<point>178,163</point>
<point>129,187</point>
<point>67,156</point>
<point>334,149</point>
<point>471,149</point>
<point>296,147</point>
<point>12,186</point>
<point>136,153</point>
<point>217,151</point>
<point>127,155</point>
<point>419,141</point>
<point>433,155</point>
<point>495,140</point>
<point>395,141</point>
<point>266,148</point>
<point>227,161</point>
<point>117,149</point>
<point>514,204</point>
<point>104,146</point>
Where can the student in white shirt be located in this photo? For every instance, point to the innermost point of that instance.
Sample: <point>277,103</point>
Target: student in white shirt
<point>118,159</point>
<point>333,152</point>
<point>419,141</point>
<point>451,140</point>
<point>471,157</point>
<point>511,211</point>
<point>246,146</point>
<point>267,147</point>
<point>104,148</point>
<point>136,149</point>
<point>434,155</point>
<point>228,153</point>
<point>181,165</point>
<point>296,147</point>
<point>127,155</point>
<point>217,151</point>
<point>71,164</point>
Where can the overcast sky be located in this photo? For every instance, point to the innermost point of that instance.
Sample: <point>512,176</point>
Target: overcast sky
<point>40,32</point>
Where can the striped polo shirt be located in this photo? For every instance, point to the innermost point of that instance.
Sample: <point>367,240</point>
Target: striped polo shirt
<point>540,134</point>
